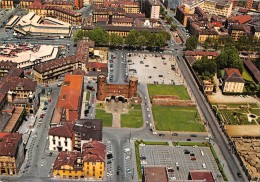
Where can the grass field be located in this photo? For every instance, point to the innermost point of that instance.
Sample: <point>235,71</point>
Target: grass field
<point>107,117</point>
<point>178,90</point>
<point>134,118</point>
<point>176,118</point>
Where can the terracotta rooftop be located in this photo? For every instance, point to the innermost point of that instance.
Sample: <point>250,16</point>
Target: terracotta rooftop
<point>7,64</point>
<point>97,65</point>
<point>201,175</point>
<point>94,151</point>
<point>62,131</point>
<point>67,158</point>
<point>155,173</point>
<point>201,53</point>
<point>70,96</point>
<point>232,75</point>
<point>9,143</point>
<point>242,19</point>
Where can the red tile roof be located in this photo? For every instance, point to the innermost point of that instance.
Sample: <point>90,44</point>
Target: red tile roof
<point>94,151</point>
<point>9,143</point>
<point>201,53</point>
<point>231,71</point>
<point>155,173</point>
<point>202,175</point>
<point>242,19</point>
<point>62,131</point>
<point>70,96</point>
<point>67,158</point>
<point>97,65</point>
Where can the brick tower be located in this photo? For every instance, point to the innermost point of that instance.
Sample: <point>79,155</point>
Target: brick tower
<point>101,87</point>
<point>132,90</point>
<point>249,4</point>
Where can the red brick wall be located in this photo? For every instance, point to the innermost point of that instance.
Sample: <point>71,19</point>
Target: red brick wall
<point>170,100</point>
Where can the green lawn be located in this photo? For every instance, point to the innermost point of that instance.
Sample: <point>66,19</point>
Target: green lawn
<point>178,90</point>
<point>255,111</point>
<point>176,118</point>
<point>134,118</point>
<point>107,117</point>
<point>87,95</point>
<point>246,76</point>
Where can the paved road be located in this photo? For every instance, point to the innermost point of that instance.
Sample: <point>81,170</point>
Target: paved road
<point>210,118</point>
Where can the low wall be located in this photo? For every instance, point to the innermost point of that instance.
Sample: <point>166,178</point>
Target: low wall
<point>170,100</point>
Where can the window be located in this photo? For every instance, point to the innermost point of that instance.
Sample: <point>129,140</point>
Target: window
<point>100,172</point>
<point>59,144</point>
<point>66,144</point>
<point>53,141</point>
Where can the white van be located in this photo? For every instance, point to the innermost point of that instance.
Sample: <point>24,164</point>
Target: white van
<point>147,109</point>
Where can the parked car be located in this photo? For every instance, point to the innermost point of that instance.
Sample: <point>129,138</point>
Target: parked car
<point>239,174</point>
<point>161,134</point>
<point>193,135</point>
<point>175,134</point>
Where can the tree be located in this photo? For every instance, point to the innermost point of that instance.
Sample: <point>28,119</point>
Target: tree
<point>165,34</point>
<point>191,43</point>
<point>141,41</point>
<point>131,38</point>
<point>100,36</point>
<point>205,67</point>
<point>229,58</point>
<point>173,27</point>
<point>116,40</point>
<point>160,40</point>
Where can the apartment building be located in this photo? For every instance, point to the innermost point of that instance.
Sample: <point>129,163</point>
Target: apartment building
<point>5,67</point>
<point>61,138</point>
<point>72,136</point>
<point>237,31</point>
<point>220,7</point>
<point>18,91</point>
<point>7,4</point>
<point>88,164</point>
<point>12,153</point>
<point>50,71</point>
<point>151,8</point>
<point>62,10</point>
<point>232,81</point>
<point>87,130</point>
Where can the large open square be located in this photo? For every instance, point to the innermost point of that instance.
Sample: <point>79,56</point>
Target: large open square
<point>181,159</point>
<point>176,118</point>
<point>154,68</point>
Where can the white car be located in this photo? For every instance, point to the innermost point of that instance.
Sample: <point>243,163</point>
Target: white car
<point>204,165</point>
<point>127,157</point>
<point>149,115</point>
<point>177,164</point>
<point>154,133</point>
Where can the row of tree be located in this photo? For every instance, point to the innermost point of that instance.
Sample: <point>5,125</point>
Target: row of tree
<point>134,38</point>
<point>244,43</point>
<point>228,58</point>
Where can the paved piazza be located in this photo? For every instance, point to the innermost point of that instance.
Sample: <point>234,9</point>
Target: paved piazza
<point>170,155</point>
<point>150,69</point>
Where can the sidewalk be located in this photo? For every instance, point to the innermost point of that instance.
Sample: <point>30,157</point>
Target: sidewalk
<point>222,162</point>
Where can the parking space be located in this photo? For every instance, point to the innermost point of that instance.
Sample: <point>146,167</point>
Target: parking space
<point>128,172</point>
<point>109,165</point>
<point>180,160</point>
<point>154,68</point>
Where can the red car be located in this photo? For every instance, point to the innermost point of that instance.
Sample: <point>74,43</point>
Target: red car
<point>42,115</point>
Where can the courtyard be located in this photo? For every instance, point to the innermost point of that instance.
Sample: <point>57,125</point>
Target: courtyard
<point>154,68</point>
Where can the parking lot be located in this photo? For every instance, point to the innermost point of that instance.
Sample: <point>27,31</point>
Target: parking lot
<point>154,68</point>
<point>180,160</point>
